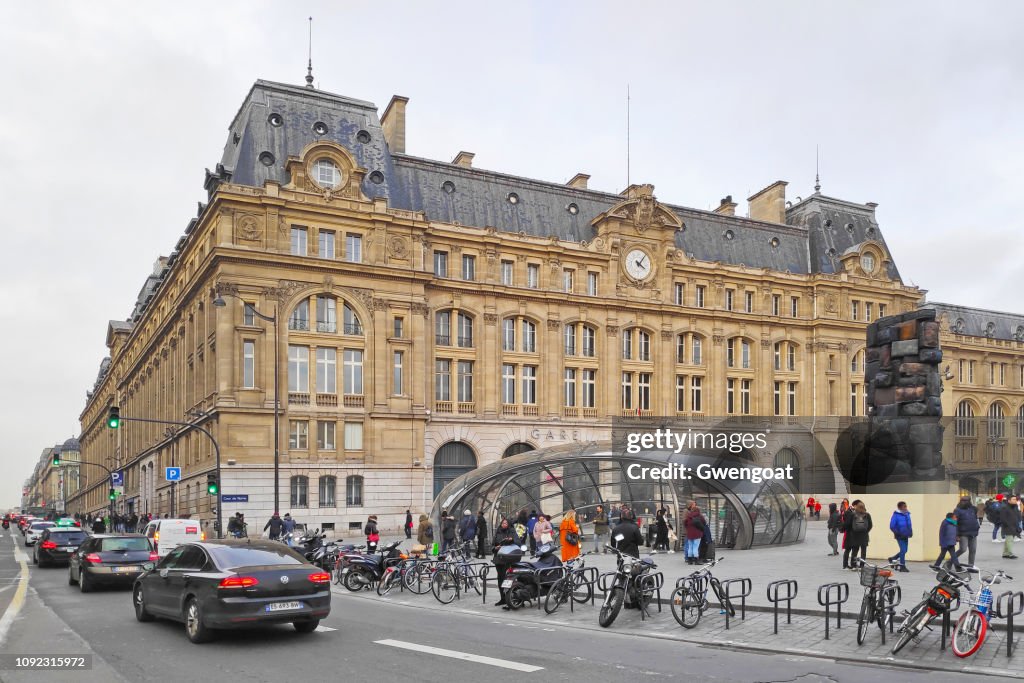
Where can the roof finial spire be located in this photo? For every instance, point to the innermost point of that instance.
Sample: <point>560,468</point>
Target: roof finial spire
<point>817,179</point>
<point>309,66</point>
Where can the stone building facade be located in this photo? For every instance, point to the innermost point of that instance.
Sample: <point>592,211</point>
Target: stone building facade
<point>433,317</point>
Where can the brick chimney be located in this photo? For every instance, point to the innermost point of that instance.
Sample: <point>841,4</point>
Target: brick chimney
<point>727,207</point>
<point>579,181</point>
<point>464,159</point>
<point>393,123</point>
<point>770,203</point>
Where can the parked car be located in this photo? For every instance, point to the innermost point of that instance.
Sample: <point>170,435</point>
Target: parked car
<point>56,545</point>
<point>35,530</point>
<point>168,534</point>
<point>110,559</point>
<point>232,584</point>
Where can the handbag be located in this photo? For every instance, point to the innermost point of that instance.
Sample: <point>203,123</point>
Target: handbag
<point>546,537</point>
<point>572,538</point>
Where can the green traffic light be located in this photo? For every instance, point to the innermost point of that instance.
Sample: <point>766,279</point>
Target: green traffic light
<point>56,460</point>
<point>212,484</point>
<point>113,494</point>
<point>114,417</point>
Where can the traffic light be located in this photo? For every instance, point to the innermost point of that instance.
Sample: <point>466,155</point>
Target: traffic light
<point>56,459</point>
<point>114,417</point>
<point>212,484</point>
<point>112,495</point>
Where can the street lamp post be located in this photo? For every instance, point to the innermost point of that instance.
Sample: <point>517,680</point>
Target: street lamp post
<point>220,303</point>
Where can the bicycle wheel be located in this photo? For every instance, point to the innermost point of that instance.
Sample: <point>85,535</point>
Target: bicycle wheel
<point>470,580</point>
<point>969,633</point>
<point>445,586</point>
<point>557,596</point>
<point>911,626</point>
<point>388,581</point>
<point>723,599</point>
<point>685,607</point>
<point>418,578</point>
<point>867,615</point>
<point>582,591</point>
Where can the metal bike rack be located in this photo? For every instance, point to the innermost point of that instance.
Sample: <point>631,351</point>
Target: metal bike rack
<point>590,578</point>
<point>947,626</point>
<point>603,579</point>
<point>650,584</point>
<point>1009,605</point>
<point>892,597</point>
<point>745,588</point>
<point>484,575</point>
<point>773,597</point>
<point>834,595</point>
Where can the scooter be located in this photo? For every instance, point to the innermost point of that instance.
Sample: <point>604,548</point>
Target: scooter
<point>531,580</point>
<point>362,571</point>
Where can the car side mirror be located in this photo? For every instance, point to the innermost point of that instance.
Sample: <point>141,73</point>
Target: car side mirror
<point>148,566</point>
<point>163,573</point>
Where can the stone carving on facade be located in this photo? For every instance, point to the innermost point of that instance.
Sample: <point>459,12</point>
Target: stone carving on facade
<point>398,248</point>
<point>380,305</point>
<point>718,339</point>
<point>248,228</point>
<point>554,325</point>
<point>365,297</point>
<point>328,281</point>
<point>766,343</point>
<point>612,329</point>
<point>831,303</point>
<point>666,335</point>
<point>418,308</point>
<point>285,290</point>
<point>490,318</point>
<point>521,258</point>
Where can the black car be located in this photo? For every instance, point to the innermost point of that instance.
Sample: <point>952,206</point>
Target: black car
<point>56,545</point>
<point>231,584</point>
<point>110,559</point>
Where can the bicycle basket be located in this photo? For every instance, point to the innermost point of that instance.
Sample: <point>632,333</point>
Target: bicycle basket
<point>873,576</point>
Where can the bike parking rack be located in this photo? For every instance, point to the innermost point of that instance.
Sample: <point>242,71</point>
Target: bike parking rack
<point>590,578</point>
<point>894,593</point>
<point>1009,605</point>
<point>746,586</point>
<point>947,623</point>
<point>834,595</point>
<point>656,581</point>
<point>484,574</point>
<point>774,598</point>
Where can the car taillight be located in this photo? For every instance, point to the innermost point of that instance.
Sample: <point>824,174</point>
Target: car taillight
<point>93,558</point>
<point>238,582</point>
<point>48,545</point>
<point>320,577</point>
<point>154,557</point>
<point>202,536</point>
<point>156,536</point>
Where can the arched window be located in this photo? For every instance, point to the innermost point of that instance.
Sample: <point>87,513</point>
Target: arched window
<point>354,491</point>
<point>786,457</point>
<point>785,356</point>
<point>737,353</point>
<point>451,461</point>
<point>299,491</point>
<point>996,421</point>
<point>965,419</point>
<point>465,330</point>
<point>857,362</point>
<point>1020,427</point>
<point>636,344</point>
<point>299,319</point>
<point>517,448</point>
<point>326,313</point>
<point>351,322</point>
<point>328,485</point>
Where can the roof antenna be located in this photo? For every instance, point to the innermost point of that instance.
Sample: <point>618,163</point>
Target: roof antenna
<point>817,180</point>
<point>309,67</point>
<point>627,135</point>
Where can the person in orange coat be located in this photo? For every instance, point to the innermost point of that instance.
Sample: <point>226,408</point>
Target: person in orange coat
<point>568,526</point>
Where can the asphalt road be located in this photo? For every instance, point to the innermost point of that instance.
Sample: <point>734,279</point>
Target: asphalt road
<point>57,618</point>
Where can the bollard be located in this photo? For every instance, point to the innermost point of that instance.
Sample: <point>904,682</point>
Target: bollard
<point>745,588</point>
<point>833,594</point>
<point>1009,605</point>
<point>775,599</point>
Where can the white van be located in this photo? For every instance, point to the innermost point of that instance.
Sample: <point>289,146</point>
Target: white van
<point>168,534</point>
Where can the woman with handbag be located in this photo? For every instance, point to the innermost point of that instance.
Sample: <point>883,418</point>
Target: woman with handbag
<point>542,530</point>
<point>569,536</point>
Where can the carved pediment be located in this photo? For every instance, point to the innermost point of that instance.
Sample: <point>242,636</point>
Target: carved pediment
<point>640,210</point>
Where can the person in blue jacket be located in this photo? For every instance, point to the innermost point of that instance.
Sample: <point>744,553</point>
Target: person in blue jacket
<point>967,528</point>
<point>902,529</point>
<point>947,542</point>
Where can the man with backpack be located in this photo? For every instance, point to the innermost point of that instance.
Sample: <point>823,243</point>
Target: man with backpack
<point>467,530</point>
<point>447,530</point>
<point>992,515</point>
<point>967,528</point>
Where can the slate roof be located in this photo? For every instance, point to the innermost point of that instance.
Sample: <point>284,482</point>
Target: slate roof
<point>978,322</point>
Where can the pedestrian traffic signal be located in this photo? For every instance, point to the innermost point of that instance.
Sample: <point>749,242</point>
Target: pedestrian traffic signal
<point>56,459</point>
<point>112,495</point>
<point>114,417</point>
<point>212,484</point>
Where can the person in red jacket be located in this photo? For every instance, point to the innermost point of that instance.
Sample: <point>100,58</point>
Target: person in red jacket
<point>694,523</point>
<point>817,509</point>
<point>810,507</point>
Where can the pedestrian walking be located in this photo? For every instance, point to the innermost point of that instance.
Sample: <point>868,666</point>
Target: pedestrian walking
<point>543,531</point>
<point>481,535</point>
<point>408,524</point>
<point>992,515</point>
<point>569,536</point>
<point>661,531</point>
<point>504,535</point>
<point>467,530</point>
<point>531,521</point>
<point>425,532</point>
<point>858,527</point>
<point>289,524</point>
<point>834,523</point>
<point>449,530</point>
<point>99,526</point>
<point>600,529</point>
<point>947,542</point>
<point>275,525</point>
<point>372,534</point>
<point>1010,520</point>
<point>967,528</point>
<point>902,530</point>
<point>694,523</point>
<point>810,507</point>
<point>817,510</point>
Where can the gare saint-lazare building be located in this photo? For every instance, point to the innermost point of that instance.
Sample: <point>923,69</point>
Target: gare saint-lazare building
<point>429,318</point>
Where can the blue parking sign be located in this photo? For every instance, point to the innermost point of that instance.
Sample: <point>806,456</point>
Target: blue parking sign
<point>173,474</point>
<point>117,478</point>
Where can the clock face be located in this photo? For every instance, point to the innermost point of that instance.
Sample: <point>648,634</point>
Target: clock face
<point>638,264</point>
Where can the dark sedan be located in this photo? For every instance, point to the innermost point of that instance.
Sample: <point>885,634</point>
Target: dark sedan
<point>56,545</point>
<point>232,584</point>
<point>110,559</point>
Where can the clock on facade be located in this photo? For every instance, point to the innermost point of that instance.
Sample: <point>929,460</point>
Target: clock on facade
<point>638,264</point>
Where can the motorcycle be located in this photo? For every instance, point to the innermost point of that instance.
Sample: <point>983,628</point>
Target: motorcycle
<point>362,571</point>
<point>530,580</point>
<point>628,586</point>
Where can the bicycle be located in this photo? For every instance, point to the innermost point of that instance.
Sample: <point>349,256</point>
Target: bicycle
<point>690,598</point>
<point>454,575</point>
<point>573,585</point>
<point>972,626</point>
<point>937,602</point>
<point>879,602</point>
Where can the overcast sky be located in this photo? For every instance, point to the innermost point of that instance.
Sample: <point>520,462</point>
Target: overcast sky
<point>109,112</point>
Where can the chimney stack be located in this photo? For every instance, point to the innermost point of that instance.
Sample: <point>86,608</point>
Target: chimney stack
<point>727,207</point>
<point>579,181</point>
<point>464,159</point>
<point>393,123</point>
<point>769,204</point>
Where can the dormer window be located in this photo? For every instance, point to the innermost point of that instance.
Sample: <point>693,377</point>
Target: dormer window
<point>867,262</point>
<point>326,174</point>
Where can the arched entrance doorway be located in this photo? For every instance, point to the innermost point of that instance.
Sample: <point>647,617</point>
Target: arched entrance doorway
<point>451,461</point>
<point>786,457</point>
<point>516,448</point>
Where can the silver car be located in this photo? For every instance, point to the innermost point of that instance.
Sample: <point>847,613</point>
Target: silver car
<point>35,531</point>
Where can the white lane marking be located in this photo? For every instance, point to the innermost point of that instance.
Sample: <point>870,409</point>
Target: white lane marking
<point>454,654</point>
<point>325,629</point>
<point>19,597</point>
<point>6,588</point>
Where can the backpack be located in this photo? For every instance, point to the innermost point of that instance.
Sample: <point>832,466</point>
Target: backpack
<point>860,523</point>
<point>429,531</point>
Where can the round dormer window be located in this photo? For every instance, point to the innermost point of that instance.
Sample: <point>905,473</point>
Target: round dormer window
<point>867,262</point>
<point>326,174</point>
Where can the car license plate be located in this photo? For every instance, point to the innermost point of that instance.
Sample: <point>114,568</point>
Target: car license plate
<point>507,583</point>
<point>122,570</point>
<point>69,549</point>
<point>282,606</point>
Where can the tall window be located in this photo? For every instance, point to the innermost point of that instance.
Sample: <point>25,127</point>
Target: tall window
<point>298,434</point>
<point>298,369</point>
<point>248,313</point>
<point>729,295</point>
<point>568,277</point>
<point>776,304</point>
<point>570,387</point>
<point>326,249</point>
<point>794,306</point>
<point>507,271</point>
<point>791,398</point>
<point>589,348</point>
<point>443,328</point>
<point>398,373</point>
<point>867,311</point>
<point>680,393</point>
<point>532,275</point>
<point>465,369</point>
<point>643,388</point>
<point>627,344</point>
<point>855,310</point>
<point>353,247</point>
<point>589,388</point>
<point>748,302</point>
<point>465,330</point>
<point>964,423</point>
<point>327,487</point>
<point>627,391</point>
<point>777,397</point>
<point>441,264</point>
<point>442,380</point>
<point>353,436</point>
<point>696,394</point>
<point>529,396</point>
<point>299,241</point>
<point>299,319</point>
<point>996,421</point>
<point>325,435</point>
<point>326,371</point>
<point>353,359</point>
<point>248,364</point>
<point>508,383</point>
<point>679,294</point>
<point>730,396</point>
<point>785,356</point>
<point>354,491</point>
<point>745,396</point>
<point>881,310</point>
<point>592,284</point>
<point>468,267</point>
<point>854,396</point>
<point>508,334</point>
<point>326,314</point>
<point>699,296</point>
<point>737,353</point>
<point>300,492</point>
<point>351,321</point>
<point>529,336</point>
<point>399,327</point>
<point>570,340</point>
<point>644,345</point>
